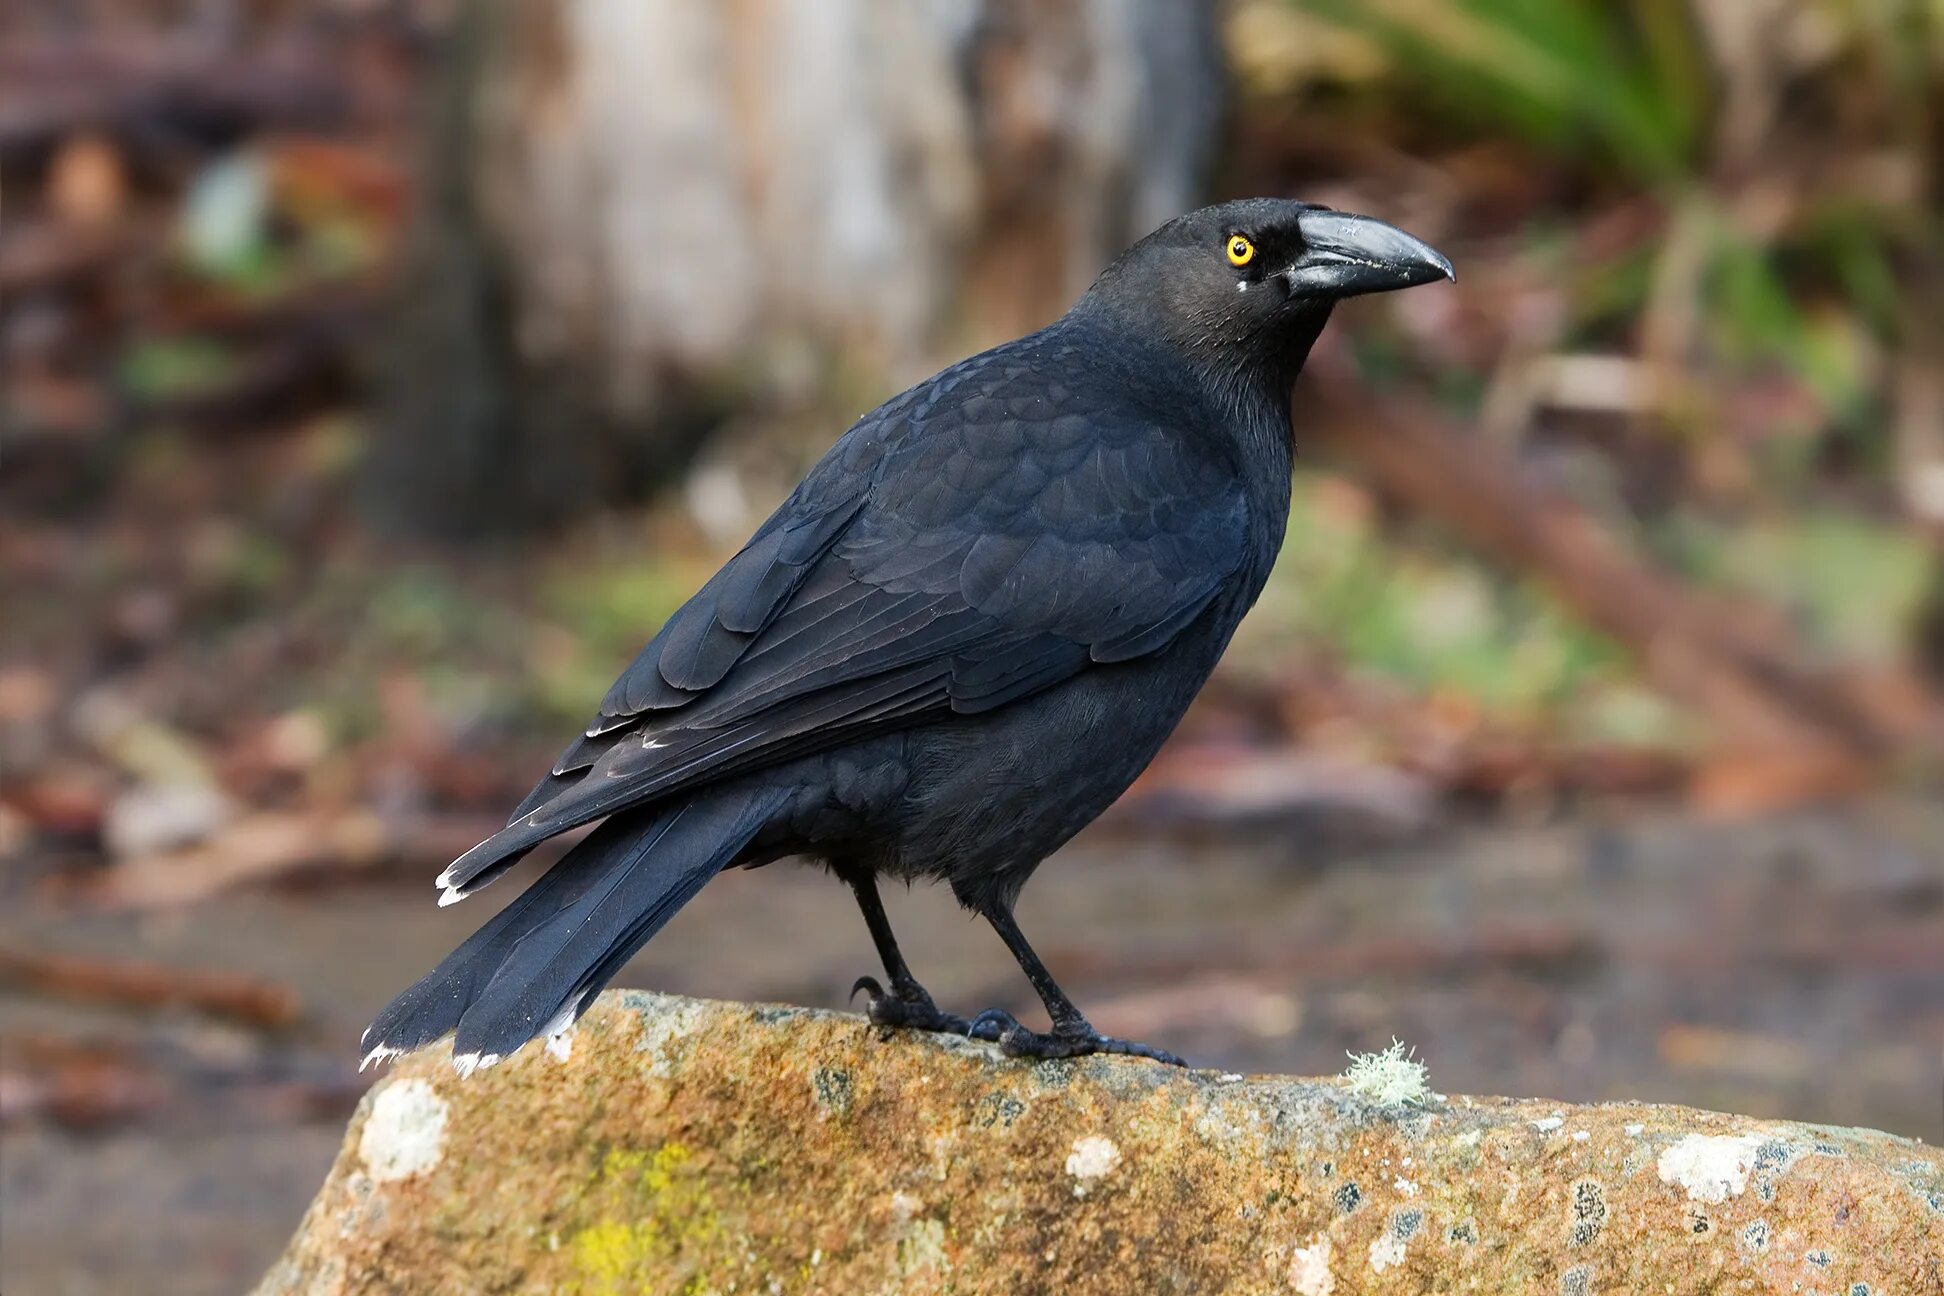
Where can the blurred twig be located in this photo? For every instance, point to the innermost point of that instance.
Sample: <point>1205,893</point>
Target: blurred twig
<point>161,96</point>
<point>1755,686</point>
<point>150,985</point>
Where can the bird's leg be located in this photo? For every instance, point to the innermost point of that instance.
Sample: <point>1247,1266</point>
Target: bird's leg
<point>906,1003</point>
<point>1072,1035</point>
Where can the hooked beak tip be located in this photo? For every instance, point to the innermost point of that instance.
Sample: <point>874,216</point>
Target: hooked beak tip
<point>1349,255</point>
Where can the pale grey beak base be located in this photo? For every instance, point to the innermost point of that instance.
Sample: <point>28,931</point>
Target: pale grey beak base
<point>1347,256</point>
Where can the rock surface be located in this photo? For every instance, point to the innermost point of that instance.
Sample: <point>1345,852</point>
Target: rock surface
<point>672,1145</point>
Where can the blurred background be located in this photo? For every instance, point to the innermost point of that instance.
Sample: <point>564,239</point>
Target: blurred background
<point>375,375</point>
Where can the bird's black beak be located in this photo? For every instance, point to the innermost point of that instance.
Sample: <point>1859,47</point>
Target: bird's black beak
<point>1346,256</point>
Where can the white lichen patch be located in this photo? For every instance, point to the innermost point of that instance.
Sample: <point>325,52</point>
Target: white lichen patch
<point>1227,1122</point>
<point>357,1203</point>
<point>921,1251</point>
<point>405,1133</point>
<point>944,1149</point>
<point>1390,1078</point>
<point>1093,1157</point>
<point>1309,1269</point>
<point>662,1030</point>
<point>1710,1167</point>
<point>1386,1251</point>
<point>1547,1124</point>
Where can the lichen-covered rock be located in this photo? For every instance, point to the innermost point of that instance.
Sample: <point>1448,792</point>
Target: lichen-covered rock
<point>683,1147</point>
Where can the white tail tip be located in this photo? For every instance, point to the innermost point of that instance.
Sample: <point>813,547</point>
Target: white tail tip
<point>467,1063</point>
<point>380,1053</point>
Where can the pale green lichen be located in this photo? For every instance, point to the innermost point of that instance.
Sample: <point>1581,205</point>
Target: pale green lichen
<point>921,1251</point>
<point>1392,1077</point>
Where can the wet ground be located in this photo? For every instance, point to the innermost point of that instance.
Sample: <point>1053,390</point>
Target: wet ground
<point>1792,967</point>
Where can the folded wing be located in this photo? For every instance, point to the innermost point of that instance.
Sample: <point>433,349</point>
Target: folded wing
<point>971,544</point>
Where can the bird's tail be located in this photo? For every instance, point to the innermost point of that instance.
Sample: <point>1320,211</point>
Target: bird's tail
<point>538,963</point>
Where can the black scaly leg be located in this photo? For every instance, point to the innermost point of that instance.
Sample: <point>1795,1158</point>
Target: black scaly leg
<point>1071,1035</point>
<point>906,1004</point>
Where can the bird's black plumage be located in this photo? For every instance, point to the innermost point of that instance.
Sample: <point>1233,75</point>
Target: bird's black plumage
<point>957,641</point>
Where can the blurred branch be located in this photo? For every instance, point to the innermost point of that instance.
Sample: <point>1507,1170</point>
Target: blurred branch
<point>43,255</point>
<point>297,350</point>
<point>157,94</point>
<point>1546,950</point>
<point>93,1084</point>
<point>1753,685</point>
<point>76,1084</point>
<point>150,985</point>
<point>271,847</point>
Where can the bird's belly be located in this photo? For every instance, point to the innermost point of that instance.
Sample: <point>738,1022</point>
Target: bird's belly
<point>993,795</point>
<point>980,800</point>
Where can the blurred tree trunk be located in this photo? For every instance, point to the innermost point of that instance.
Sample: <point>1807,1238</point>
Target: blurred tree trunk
<point>639,217</point>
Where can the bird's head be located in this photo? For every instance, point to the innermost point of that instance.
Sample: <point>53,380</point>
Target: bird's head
<point>1247,285</point>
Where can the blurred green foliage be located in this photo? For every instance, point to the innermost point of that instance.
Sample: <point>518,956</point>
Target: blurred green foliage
<point>238,232</point>
<point>1599,157</point>
<point>1420,619</point>
<point>1849,585</point>
<point>1787,143</point>
<point>607,611</point>
<point>1731,195</point>
<point>1622,85</point>
<point>156,368</point>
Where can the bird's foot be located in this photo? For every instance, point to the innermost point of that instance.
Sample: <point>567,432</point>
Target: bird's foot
<point>1077,1040</point>
<point>906,1007</point>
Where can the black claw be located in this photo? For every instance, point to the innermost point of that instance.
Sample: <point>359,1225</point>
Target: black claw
<point>992,1025</point>
<point>905,1006</point>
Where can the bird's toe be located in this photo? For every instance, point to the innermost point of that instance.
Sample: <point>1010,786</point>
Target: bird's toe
<point>905,1008</point>
<point>1129,1048</point>
<point>1014,1040</point>
<point>996,1026</point>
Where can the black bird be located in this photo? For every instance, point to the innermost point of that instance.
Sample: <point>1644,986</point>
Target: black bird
<point>952,647</point>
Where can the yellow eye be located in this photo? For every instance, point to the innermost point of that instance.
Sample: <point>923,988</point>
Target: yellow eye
<point>1240,250</point>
